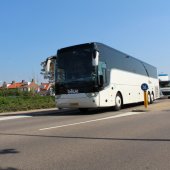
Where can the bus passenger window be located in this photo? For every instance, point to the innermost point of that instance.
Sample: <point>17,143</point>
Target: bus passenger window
<point>102,71</point>
<point>104,75</point>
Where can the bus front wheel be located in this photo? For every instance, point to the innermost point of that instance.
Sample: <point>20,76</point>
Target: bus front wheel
<point>118,102</point>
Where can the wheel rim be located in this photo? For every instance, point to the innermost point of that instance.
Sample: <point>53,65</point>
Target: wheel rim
<point>149,99</point>
<point>118,101</point>
<point>152,97</point>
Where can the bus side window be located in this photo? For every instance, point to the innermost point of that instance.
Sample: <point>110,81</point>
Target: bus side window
<point>102,71</point>
<point>104,75</point>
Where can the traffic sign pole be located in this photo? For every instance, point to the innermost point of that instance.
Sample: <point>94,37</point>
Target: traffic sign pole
<point>145,99</point>
<point>145,87</point>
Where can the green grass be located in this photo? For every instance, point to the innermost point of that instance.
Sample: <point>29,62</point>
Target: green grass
<point>25,102</point>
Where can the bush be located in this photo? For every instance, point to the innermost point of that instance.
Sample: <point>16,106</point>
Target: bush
<point>25,102</point>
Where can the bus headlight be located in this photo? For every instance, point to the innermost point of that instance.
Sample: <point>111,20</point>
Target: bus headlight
<point>91,95</point>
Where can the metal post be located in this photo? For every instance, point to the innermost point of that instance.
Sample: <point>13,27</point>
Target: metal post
<point>145,99</point>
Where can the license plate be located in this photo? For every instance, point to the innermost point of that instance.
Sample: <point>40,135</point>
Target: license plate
<point>74,104</point>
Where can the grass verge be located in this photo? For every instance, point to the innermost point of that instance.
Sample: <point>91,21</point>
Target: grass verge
<point>23,103</point>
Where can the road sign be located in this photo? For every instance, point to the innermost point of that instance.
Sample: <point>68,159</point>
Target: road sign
<point>144,87</point>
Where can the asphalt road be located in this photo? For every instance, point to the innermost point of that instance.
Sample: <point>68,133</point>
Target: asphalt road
<point>131,139</point>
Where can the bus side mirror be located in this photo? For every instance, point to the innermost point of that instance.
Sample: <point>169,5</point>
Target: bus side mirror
<point>48,63</point>
<point>95,58</point>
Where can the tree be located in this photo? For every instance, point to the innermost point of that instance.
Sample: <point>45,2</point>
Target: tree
<point>48,75</point>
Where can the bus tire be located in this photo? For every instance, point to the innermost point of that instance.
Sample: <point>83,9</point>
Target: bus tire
<point>152,98</point>
<point>118,102</point>
<point>149,98</point>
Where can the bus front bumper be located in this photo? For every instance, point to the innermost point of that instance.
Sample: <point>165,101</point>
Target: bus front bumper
<point>90,100</point>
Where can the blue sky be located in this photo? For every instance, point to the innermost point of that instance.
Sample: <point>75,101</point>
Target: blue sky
<point>32,30</point>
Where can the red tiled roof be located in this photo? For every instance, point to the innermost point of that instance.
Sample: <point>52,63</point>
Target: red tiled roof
<point>15,85</point>
<point>45,86</point>
<point>32,84</point>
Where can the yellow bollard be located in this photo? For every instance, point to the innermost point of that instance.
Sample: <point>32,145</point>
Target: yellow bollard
<point>145,99</point>
<point>145,87</point>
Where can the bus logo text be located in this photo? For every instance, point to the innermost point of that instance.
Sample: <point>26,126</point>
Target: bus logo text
<point>72,91</point>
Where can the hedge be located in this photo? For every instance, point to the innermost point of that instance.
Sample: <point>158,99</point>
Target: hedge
<point>25,102</point>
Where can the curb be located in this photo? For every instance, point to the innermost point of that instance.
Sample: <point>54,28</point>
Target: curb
<point>28,112</point>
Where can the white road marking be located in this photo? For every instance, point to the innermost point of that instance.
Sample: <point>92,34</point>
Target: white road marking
<point>13,117</point>
<point>94,120</point>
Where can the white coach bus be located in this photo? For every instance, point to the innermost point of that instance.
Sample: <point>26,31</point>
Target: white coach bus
<point>95,75</point>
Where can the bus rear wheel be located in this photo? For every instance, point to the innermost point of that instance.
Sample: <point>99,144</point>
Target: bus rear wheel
<point>118,102</point>
<point>152,98</point>
<point>149,98</point>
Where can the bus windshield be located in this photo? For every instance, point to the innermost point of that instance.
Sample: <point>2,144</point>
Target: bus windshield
<point>74,65</point>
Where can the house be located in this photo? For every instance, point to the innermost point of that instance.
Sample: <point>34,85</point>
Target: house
<point>45,89</point>
<point>14,85</point>
<point>5,85</point>
<point>29,86</point>
<point>23,86</point>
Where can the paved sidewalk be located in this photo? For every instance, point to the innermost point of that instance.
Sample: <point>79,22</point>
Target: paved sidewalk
<point>158,105</point>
